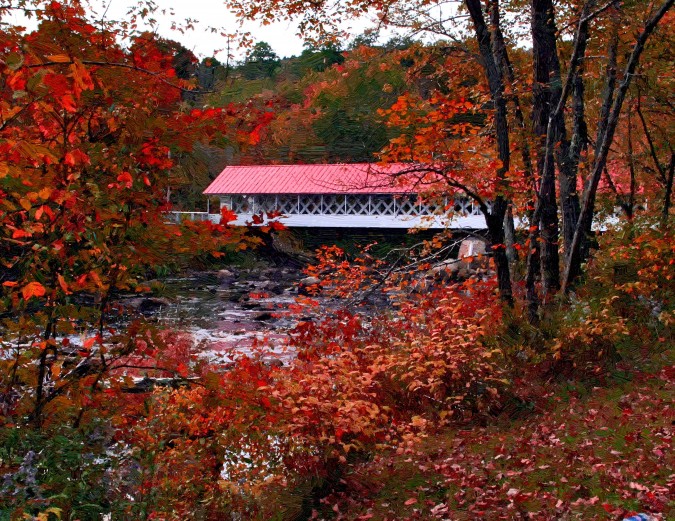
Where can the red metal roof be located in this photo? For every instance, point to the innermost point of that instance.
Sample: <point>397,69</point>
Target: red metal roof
<point>357,178</point>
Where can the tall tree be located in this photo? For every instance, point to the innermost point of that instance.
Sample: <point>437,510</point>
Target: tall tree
<point>89,134</point>
<point>261,62</point>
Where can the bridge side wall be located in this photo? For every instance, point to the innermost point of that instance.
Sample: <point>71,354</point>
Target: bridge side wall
<point>356,211</point>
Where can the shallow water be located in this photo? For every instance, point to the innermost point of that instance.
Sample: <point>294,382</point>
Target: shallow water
<point>233,315</point>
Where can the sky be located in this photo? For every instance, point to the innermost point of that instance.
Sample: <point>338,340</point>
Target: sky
<point>281,36</point>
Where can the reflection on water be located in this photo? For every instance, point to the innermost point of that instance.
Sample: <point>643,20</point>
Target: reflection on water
<point>232,314</point>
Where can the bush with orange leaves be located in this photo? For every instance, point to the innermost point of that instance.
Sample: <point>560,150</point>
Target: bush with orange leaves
<point>361,383</point>
<point>625,311</point>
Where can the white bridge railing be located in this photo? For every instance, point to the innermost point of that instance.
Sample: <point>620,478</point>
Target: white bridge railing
<point>395,205</point>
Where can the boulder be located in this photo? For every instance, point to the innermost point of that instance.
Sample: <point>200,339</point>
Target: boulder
<point>307,282</point>
<point>277,290</point>
<point>238,296</point>
<point>473,254</point>
<point>446,267</point>
<point>264,316</point>
<point>152,304</point>
<point>271,361</point>
<point>225,274</point>
<point>471,248</point>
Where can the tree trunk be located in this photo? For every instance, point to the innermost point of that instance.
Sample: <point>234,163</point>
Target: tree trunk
<point>608,96</point>
<point>668,193</point>
<point>495,218</point>
<point>555,132</point>
<point>531,296</point>
<point>497,239</point>
<point>629,204</point>
<point>665,177</point>
<point>546,93</point>
<point>510,236</point>
<point>503,62</point>
<point>570,153</point>
<point>610,85</point>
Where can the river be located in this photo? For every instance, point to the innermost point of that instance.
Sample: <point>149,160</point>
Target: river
<point>233,311</point>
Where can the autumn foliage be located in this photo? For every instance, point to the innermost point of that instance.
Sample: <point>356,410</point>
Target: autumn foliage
<point>409,392</point>
<point>361,383</point>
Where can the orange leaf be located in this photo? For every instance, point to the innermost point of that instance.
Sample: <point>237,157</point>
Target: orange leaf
<point>68,103</point>
<point>227,215</point>
<point>125,177</point>
<point>96,279</point>
<point>59,58</point>
<point>69,159</point>
<point>277,226</point>
<point>33,289</point>
<point>18,234</point>
<point>62,283</point>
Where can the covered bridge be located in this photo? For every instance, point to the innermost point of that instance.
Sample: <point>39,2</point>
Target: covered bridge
<point>336,196</point>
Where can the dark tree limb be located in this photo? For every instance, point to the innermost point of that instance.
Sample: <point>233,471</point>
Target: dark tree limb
<point>495,218</point>
<point>650,141</point>
<point>553,132</point>
<point>117,65</point>
<point>502,59</point>
<point>668,192</point>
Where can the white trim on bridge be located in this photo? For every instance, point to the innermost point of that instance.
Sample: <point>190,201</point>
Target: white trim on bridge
<point>371,221</point>
<point>473,222</point>
<point>401,211</point>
